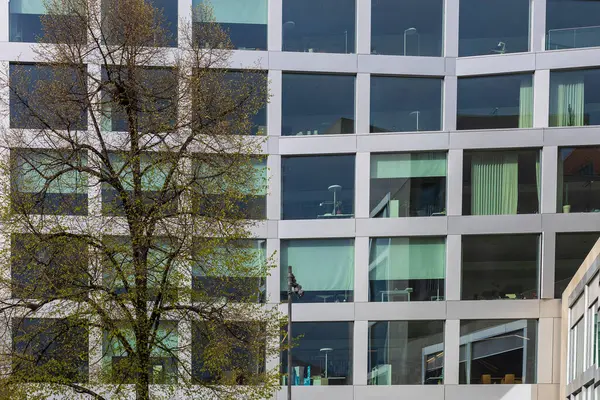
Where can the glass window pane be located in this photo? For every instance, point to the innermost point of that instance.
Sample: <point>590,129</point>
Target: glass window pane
<point>498,351</point>
<point>317,104</point>
<point>572,24</point>
<point>497,27</point>
<point>26,22</point>
<point>406,353</point>
<point>245,21</point>
<point>407,27</point>
<point>575,98</point>
<point>501,182</point>
<point>408,185</point>
<point>493,102</point>
<point>407,269</point>
<point>500,267</point>
<point>323,354</point>
<point>578,179</point>
<point>400,104</point>
<point>319,26</point>
<point>571,250</point>
<point>317,187</point>
<point>324,268</point>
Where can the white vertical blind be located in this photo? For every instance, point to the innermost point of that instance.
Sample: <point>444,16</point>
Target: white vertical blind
<point>407,258</point>
<point>237,11</point>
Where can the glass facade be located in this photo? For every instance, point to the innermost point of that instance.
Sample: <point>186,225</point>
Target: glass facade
<point>408,185</point>
<point>495,102</point>
<point>317,187</point>
<point>407,269</point>
<point>498,352</point>
<point>406,353</point>
<point>500,267</point>
<point>578,180</point>
<point>323,355</point>
<point>319,26</point>
<point>572,24</point>
<point>407,27</point>
<point>497,27</point>
<point>574,97</point>
<point>317,104</point>
<point>501,182</point>
<point>571,250</point>
<point>325,268</point>
<point>402,104</point>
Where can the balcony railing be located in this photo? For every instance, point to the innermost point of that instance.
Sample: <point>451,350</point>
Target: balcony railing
<point>572,38</point>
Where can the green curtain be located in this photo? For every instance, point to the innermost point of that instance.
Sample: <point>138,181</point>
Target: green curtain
<point>570,100</point>
<point>495,183</point>
<point>236,11</point>
<point>27,7</point>
<point>252,253</point>
<point>408,165</point>
<point>319,264</point>
<point>407,258</point>
<point>154,175</point>
<point>258,187</point>
<point>526,103</point>
<point>35,168</point>
<point>166,338</point>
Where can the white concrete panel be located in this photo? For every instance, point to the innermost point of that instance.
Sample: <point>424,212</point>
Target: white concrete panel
<point>451,352</point>
<point>362,185</point>
<point>362,103</point>
<point>491,392</point>
<point>259,230</point>
<point>450,66</point>
<point>570,58</point>
<point>556,351</point>
<point>274,25</point>
<point>454,183</point>
<point>493,309</point>
<point>272,229</point>
<point>545,338</point>
<point>548,270</point>
<point>496,139</point>
<point>299,229</point>
<point>363,26</point>
<point>495,224</point>
<point>549,392</point>
<point>418,226</point>
<point>360,353</point>
<point>549,175</point>
<point>273,279</point>
<point>3,22</point>
<point>386,142</point>
<point>541,98</point>
<point>318,393</point>
<point>317,62</point>
<point>450,103</point>
<point>22,52</point>
<point>361,269</point>
<point>274,106</point>
<point>184,14</point>
<point>453,267</point>
<point>572,222</point>
<point>417,310</point>
<point>321,311</point>
<point>569,136</point>
<point>495,64</point>
<point>401,65</point>
<point>451,19</point>
<point>537,33</point>
<point>317,144</point>
<point>399,392</point>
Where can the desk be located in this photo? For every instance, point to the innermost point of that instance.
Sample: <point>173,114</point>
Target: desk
<point>324,297</point>
<point>396,292</point>
<point>334,216</point>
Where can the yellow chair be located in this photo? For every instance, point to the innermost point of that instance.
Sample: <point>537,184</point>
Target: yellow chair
<point>509,379</point>
<point>486,379</point>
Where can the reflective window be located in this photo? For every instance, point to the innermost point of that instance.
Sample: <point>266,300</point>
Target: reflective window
<point>319,26</point>
<point>235,270</point>
<point>571,249</point>
<point>578,179</point>
<point>43,182</point>
<point>163,358</point>
<point>493,27</point>
<point>323,354</point>
<point>572,23</point>
<point>493,102</point>
<point>324,268</point>
<point>575,97</point>
<point>34,100</point>
<point>400,104</point>
<point>245,21</point>
<point>406,353</point>
<point>50,347</point>
<point>317,187</point>
<point>407,269</point>
<point>25,21</point>
<point>408,185</point>
<point>317,104</point>
<point>500,267</point>
<point>498,352</point>
<point>501,182</point>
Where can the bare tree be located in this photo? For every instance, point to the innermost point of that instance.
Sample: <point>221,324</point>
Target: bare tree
<point>130,267</point>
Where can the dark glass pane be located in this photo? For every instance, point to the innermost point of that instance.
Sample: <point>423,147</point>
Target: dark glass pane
<point>575,97</point>
<point>572,24</point>
<point>406,353</point>
<point>501,182</point>
<point>319,26</point>
<point>323,355</point>
<point>407,27</point>
<point>571,250</point>
<point>498,352</point>
<point>493,27</point>
<point>498,267</point>
<point>494,102</point>
<point>578,179</point>
<point>318,187</point>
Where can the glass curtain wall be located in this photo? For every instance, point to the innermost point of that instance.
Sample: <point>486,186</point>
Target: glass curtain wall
<point>578,179</point>
<point>25,21</point>
<point>575,97</point>
<point>407,269</point>
<point>498,352</point>
<point>570,251</point>
<point>245,21</point>
<point>406,353</point>
<point>324,268</point>
<point>407,27</point>
<point>572,24</point>
<point>408,185</point>
<point>495,102</point>
<point>402,104</point>
<point>501,182</point>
